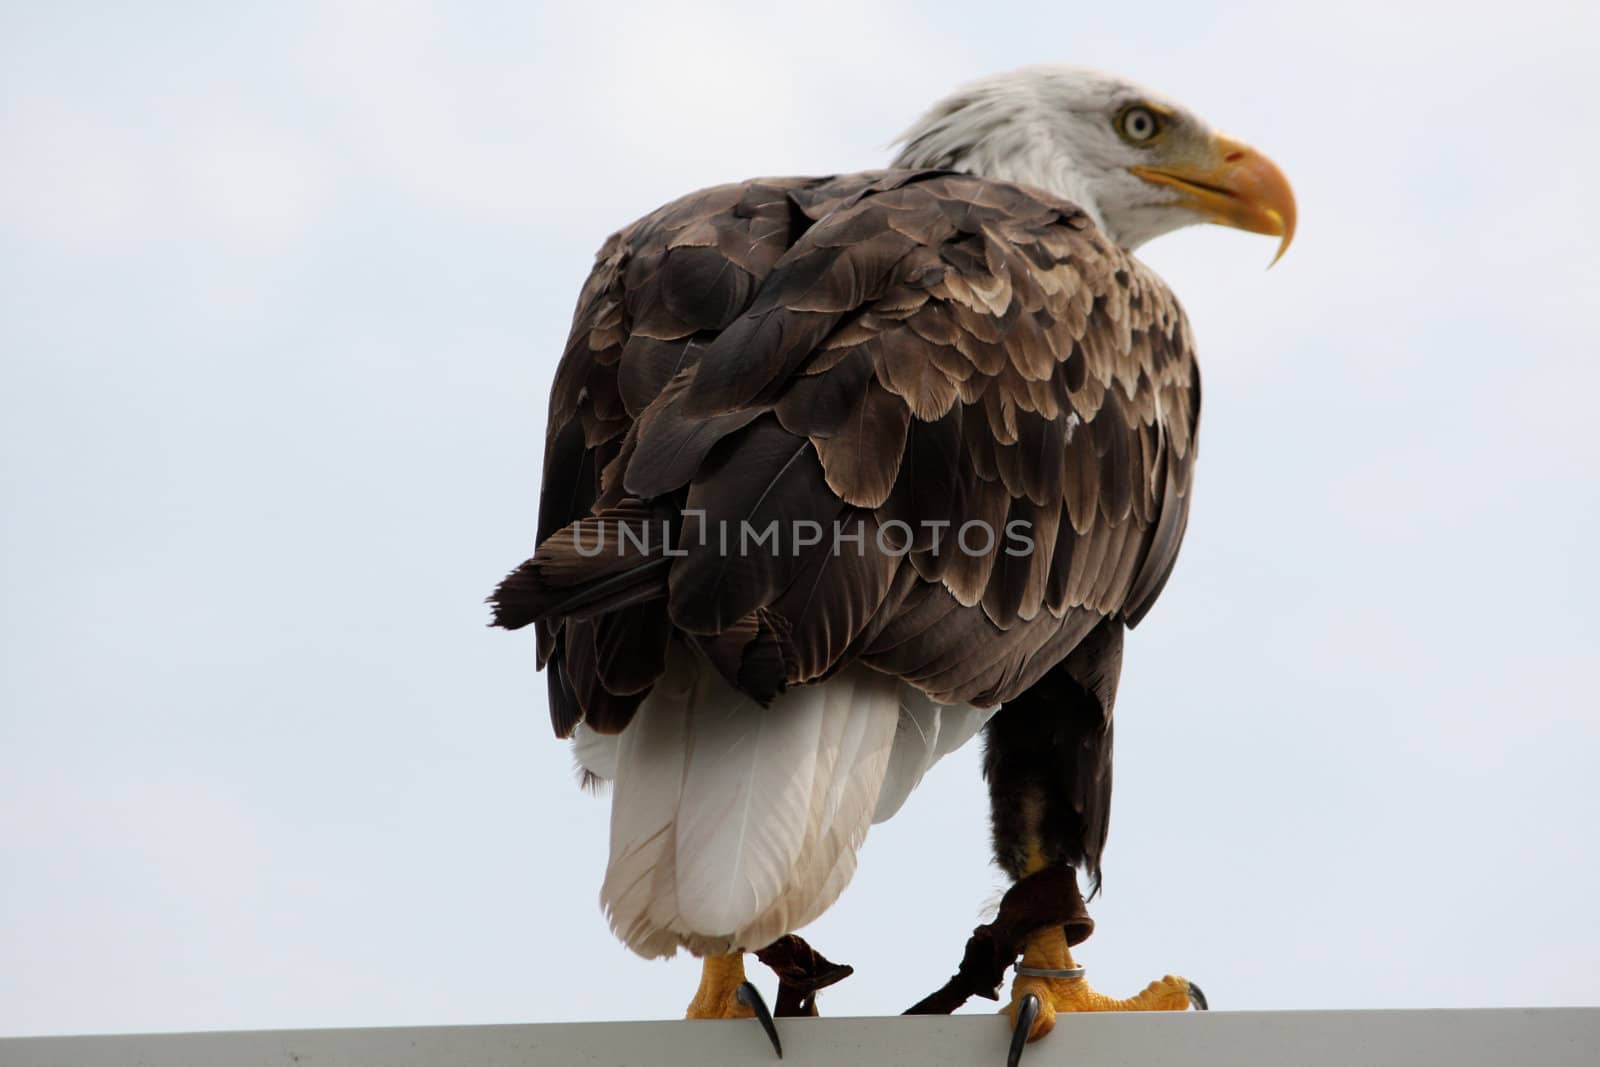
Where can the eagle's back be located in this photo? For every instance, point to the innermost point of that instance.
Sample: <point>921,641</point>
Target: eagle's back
<point>893,354</point>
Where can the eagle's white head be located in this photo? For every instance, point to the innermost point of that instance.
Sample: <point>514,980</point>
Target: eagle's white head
<point>1138,163</point>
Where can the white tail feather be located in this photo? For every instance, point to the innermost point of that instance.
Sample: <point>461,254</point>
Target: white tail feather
<point>747,792</point>
<point>927,732</point>
<point>733,824</point>
<point>958,724</point>
<point>865,706</point>
<point>594,752</point>
<point>915,736</point>
<point>644,805</point>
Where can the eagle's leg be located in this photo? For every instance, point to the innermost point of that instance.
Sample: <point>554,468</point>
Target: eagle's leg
<point>725,994</point>
<point>1047,756</point>
<point>717,996</point>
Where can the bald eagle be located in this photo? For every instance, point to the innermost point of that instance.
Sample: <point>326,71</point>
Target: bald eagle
<point>841,471</point>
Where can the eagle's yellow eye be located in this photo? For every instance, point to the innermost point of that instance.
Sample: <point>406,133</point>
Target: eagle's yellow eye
<point>1138,125</point>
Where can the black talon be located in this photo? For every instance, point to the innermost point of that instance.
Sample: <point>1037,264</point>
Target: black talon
<point>1197,998</point>
<point>750,997</point>
<point>1027,1011</point>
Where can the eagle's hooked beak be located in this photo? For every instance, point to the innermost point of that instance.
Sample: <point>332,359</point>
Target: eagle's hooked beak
<point>1234,186</point>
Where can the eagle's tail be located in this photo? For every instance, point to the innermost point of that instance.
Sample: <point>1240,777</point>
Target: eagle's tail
<point>598,564</point>
<point>733,824</point>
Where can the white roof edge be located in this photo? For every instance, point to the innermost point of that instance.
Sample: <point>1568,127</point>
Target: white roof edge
<point>1528,1037</point>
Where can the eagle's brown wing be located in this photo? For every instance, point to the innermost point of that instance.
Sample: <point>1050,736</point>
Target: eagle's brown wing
<point>889,356</point>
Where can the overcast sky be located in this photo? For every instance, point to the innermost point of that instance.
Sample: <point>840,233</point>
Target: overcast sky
<point>281,292</point>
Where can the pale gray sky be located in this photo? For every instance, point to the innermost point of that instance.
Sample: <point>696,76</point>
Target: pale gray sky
<point>281,290</point>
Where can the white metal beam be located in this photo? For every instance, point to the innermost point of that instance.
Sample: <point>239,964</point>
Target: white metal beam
<point>1493,1038</point>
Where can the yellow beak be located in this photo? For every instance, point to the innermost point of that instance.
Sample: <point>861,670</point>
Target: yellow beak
<point>1236,186</point>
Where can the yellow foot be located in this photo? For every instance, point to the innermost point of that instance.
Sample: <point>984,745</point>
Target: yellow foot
<point>1047,950</point>
<point>724,994</point>
<point>718,995</point>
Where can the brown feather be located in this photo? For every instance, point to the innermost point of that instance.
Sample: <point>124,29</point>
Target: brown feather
<point>833,600</point>
<point>761,479</point>
<point>861,460</point>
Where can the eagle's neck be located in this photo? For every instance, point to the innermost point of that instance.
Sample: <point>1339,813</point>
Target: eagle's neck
<point>996,138</point>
